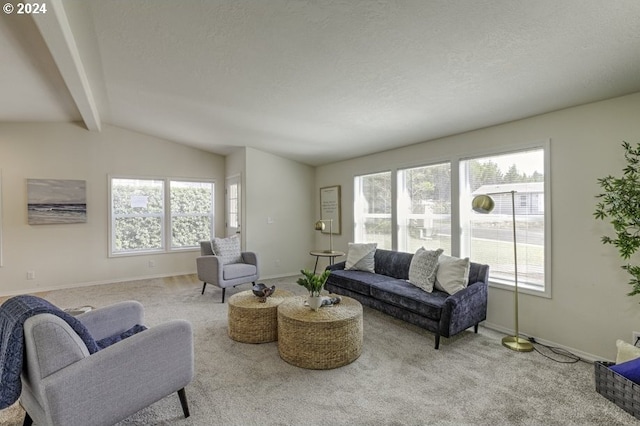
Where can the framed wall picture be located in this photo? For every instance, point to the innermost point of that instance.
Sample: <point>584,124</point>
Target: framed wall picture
<point>330,208</point>
<point>52,201</point>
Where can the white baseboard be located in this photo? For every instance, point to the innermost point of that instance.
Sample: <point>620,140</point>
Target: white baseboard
<point>583,355</point>
<point>31,290</point>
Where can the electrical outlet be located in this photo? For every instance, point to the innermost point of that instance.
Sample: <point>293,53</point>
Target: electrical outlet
<point>635,337</point>
<point>152,264</point>
<point>31,275</point>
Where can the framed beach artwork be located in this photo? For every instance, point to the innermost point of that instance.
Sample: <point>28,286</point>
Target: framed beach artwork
<point>52,201</point>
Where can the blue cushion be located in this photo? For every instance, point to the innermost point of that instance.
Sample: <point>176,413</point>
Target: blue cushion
<point>629,369</point>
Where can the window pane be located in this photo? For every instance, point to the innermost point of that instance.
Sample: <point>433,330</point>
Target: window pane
<point>137,215</point>
<point>191,213</point>
<point>424,208</point>
<point>488,238</point>
<point>372,209</point>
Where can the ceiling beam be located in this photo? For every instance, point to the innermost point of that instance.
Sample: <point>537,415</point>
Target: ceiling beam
<point>56,32</point>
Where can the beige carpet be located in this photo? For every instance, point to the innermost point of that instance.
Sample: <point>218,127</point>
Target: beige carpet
<point>398,380</point>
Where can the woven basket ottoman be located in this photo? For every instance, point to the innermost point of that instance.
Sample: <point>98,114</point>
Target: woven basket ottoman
<point>252,321</point>
<point>328,338</point>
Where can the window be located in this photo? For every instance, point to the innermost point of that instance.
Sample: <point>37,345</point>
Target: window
<point>424,208</point>
<point>141,209</point>
<point>372,209</point>
<point>191,213</point>
<point>488,238</point>
<point>430,206</point>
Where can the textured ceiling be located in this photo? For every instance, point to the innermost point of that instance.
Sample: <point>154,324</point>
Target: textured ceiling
<point>314,81</point>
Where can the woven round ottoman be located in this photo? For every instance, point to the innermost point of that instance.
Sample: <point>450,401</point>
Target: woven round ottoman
<point>251,321</point>
<point>328,338</point>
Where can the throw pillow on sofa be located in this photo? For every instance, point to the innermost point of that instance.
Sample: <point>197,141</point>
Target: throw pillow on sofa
<point>360,257</point>
<point>228,249</point>
<point>423,268</point>
<point>452,274</point>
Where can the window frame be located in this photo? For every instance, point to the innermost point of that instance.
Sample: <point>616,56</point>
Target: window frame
<point>460,209</point>
<point>166,216</point>
<point>545,146</point>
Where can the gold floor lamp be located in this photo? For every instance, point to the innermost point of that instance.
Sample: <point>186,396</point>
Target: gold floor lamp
<point>485,204</point>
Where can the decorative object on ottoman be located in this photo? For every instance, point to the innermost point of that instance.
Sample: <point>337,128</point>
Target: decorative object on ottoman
<point>252,320</point>
<point>261,291</point>
<point>314,284</point>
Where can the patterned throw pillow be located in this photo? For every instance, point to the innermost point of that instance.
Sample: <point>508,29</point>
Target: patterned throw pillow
<point>360,257</point>
<point>452,274</point>
<point>228,249</point>
<point>423,268</point>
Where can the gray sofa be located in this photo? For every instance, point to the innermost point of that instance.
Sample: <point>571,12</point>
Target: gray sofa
<point>388,290</point>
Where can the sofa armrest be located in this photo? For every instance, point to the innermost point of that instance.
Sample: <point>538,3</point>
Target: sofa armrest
<point>209,269</point>
<point>336,266</point>
<point>123,378</point>
<point>464,309</point>
<point>112,319</point>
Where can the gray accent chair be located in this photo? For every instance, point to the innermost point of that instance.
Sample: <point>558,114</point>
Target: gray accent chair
<point>211,270</point>
<point>63,385</point>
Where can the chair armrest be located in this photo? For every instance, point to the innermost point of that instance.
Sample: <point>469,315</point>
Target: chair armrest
<point>112,319</point>
<point>250,258</point>
<point>121,379</point>
<point>463,309</point>
<point>209,269</point>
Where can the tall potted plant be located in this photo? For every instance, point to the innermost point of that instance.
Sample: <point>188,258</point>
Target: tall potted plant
<point>314,284</point>
<point>620,204</point>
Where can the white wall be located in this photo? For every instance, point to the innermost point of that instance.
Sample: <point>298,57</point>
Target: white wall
<point>77,254</point>
<point>589,308</point>
<point>279,213</point>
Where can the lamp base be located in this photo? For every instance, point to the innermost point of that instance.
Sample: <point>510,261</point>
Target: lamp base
<point>517,344</point>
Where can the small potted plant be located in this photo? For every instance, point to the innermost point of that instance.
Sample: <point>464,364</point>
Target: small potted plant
<point>314,284</point>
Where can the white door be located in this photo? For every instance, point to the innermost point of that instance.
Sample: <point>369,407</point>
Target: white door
<point>233,206</point>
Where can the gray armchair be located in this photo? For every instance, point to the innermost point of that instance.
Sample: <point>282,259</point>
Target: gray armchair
<point>62,384</point>
<point>212,270</point>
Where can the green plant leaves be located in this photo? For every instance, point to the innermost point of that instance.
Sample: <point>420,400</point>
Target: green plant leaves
<point>312,282</point>
<point>620,204</point>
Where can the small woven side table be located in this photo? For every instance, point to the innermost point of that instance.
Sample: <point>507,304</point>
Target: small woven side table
<point>251,321</point>
<point>328,338</point>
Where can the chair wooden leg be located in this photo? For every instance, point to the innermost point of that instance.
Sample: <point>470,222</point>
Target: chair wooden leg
<point>223,290</point>
<point>183,402</point>
<point>203,286</point>
<point>28,421</point>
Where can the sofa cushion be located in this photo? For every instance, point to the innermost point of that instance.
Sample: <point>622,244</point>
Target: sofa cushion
<point>405,295</point>
<point>360,257</point>
<point>423,268</point>
<point>238,270</point>
<point>393,264</point>
<point>356,281</point>
<point>452,274</point>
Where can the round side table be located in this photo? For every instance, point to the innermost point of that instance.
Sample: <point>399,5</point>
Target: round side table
<point>251,321</point>
<point>328,338</point>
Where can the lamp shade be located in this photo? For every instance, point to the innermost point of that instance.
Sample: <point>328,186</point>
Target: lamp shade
<point>482,204</point>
